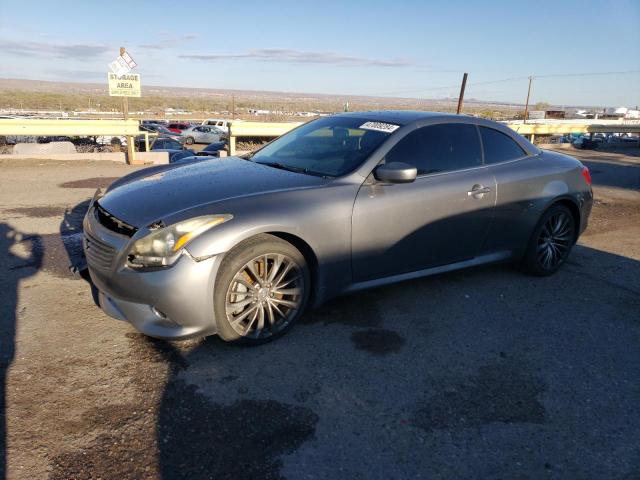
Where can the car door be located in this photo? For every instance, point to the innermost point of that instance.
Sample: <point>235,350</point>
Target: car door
<point>198,133</point>
<point>440,218</point>
<point>209,135</point>
<point>520,179</point>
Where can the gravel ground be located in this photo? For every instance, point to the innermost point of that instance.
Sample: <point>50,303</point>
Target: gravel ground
<point>482,373</point>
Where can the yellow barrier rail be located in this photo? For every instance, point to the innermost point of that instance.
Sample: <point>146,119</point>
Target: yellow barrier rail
<point>70,128</point>
<point>130,128</point>
<point>266,129</point>
<point>533,129</point>
<point>75,128</point>
<point>257,129</point>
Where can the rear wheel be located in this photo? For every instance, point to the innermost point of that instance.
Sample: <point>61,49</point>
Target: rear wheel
<point>551,242</point>
<point>261,290</point>
<point>189,141</point>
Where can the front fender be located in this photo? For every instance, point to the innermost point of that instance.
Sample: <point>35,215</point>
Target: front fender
<point>223,238</point>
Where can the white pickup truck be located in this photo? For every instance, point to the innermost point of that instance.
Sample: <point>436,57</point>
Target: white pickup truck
<point>220,123</point>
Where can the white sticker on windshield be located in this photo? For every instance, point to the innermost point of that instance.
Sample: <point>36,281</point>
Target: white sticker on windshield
<point>380,127</point>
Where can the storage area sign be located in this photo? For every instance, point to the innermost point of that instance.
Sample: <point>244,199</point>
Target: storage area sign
<point>127,85</point>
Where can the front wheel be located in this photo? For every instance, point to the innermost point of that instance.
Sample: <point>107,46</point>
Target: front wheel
<point>189,141</point>
<point>262,289</point>
<point>551,242</point>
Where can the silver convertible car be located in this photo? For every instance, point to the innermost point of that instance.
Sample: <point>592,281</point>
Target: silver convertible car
<point>239,247</point>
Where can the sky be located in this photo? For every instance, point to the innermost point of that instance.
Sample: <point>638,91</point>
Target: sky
<point>396,48</point>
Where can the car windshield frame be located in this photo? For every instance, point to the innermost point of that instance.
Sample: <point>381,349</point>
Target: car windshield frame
<point>329,146</point>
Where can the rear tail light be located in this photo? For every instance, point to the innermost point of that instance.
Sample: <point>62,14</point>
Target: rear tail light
<point>587,175</point>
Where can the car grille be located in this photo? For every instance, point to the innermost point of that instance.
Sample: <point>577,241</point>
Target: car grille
<point>110,222</point>
<point>99,254</point>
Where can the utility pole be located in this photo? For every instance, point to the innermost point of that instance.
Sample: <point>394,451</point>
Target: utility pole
<point>125,112</point>
<point>233,107</point>
<point>461,97</point>
<point>526,106</point>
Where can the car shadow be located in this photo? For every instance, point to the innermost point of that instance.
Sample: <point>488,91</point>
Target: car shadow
<point>21,258</point>
<point>477,349</point>
<point>609,169</point>
<point>614,174</point>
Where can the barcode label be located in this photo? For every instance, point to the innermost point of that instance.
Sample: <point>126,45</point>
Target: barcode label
<point>380,126</point>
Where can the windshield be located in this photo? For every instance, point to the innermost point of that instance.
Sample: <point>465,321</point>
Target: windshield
<point>331,146</point>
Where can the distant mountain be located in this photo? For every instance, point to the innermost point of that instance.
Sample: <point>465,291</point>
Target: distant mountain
<point>26,85</point>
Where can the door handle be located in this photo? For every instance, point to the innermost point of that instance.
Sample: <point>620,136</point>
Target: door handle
<point>478,191</point>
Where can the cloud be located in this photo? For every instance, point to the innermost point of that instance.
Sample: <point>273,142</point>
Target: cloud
<point>41,49</point>
<point>300,57</point>
<point>169,41</point>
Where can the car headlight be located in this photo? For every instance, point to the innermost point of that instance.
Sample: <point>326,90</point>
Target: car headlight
<point>163,247</point>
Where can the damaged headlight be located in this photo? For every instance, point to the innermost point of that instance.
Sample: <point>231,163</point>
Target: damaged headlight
<point>163,247</point>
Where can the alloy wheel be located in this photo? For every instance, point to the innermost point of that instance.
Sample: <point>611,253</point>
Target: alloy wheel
<point>264,296</point>
<point>555,240</point>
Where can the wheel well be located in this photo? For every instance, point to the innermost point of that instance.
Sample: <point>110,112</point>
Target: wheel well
<point>573,208</point>
<point>307,252</point>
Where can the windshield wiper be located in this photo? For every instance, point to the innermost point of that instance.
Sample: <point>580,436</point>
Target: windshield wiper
<point>291,168</point>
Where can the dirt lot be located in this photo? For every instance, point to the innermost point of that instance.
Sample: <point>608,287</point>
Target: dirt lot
<point>484,373</point>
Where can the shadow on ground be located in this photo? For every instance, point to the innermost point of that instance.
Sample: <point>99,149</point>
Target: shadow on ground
<point>21,256</point>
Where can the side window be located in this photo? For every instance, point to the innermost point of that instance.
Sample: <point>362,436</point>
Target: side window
<point>499,147</point>
<point>220,124</point>
<point>439,148</point>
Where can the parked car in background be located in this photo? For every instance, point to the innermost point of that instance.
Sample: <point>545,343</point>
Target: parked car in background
<point>629,137</point>
<point>201,134</point>
<point>213,149</point>
<point>220,123</point>
<point>559,139</point>
<point>178,127</point>
<point>239,247</point>
<point>155,122</point>
<point>585,143</point>
<point>177,155</point>
<point>160,143</point>
<point>161,130</point>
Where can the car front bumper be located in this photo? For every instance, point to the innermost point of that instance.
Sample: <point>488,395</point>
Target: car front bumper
<point>173,303</point>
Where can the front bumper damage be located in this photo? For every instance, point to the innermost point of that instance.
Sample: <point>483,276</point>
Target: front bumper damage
<point>170,303</point>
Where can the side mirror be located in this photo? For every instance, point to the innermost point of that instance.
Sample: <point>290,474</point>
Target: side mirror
<point>395,172</point>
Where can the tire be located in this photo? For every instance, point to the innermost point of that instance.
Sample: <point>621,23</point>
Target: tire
<point>253,304</point>
<point>190,141</point>
<point>551,242</point>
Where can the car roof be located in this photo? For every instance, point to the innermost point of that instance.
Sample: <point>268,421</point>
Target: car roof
<point>406,117</point>
<point>399,117</point>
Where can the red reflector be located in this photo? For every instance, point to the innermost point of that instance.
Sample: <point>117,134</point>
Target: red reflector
<point>587,175</point>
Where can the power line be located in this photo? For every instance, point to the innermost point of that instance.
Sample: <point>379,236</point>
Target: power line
<point>509,79</point>
<point>586,74</point>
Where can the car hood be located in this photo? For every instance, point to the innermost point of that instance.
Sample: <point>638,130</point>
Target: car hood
<point>162,193</point>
